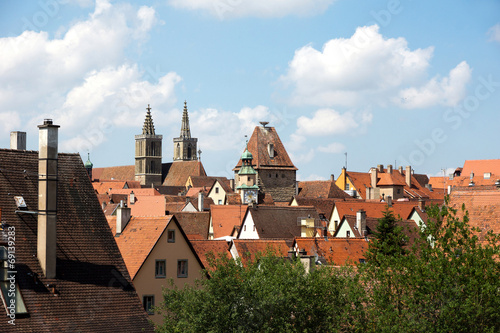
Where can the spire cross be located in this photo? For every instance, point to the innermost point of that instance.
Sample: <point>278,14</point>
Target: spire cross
<point>148,108</point>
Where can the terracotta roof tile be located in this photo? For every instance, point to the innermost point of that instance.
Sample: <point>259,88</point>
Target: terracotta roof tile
<point>138,239</point>
<point>126,172</point>
<point>479,167</point>
<point>225,218</point>
<point>321,189</point>
<point>257,145</point>
<point>88,260</point>
<point>323,206</point>
<point>181,170</point>
<point>336,251</point>
<point>205,248</point>
<point>148,205</point>
<point>194,223</point>
<point>248,248</point>
<point>279,222</point>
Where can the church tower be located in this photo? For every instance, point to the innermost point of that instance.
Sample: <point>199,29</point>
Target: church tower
<point>185,146</point>
<point>148,154</point>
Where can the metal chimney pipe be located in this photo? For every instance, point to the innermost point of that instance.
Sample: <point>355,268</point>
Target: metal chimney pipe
<point>47,197</point>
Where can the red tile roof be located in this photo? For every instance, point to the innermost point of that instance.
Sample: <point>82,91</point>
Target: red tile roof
<point>137,191</point>
<point>323,206</point>
<point>375,209</point>
<point>360,180</point>
<point>103,187</point>
<point>226,217</point>
<point>194,223</point>
<point>180,171</point>
<point>88,260</point>
<point>126,172</point>
<point>336,251</point>
<point>279,222</point>
<point>321,189</point>
<point>205,248</point>
<point>148,205</point>
<point>257,145</point>
<point>248,248</point>
<point>479,167</point>
<point>138,239</point>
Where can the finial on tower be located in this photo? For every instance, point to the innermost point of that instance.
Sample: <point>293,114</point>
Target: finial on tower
<point>185,131</point>
<point>148,127</point>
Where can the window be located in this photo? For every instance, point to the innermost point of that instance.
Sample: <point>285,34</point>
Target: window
<point>348,233</point>
<point>148,301</point>
<point>220,202</point>
<point>160,268</point>
<point>362,261</point>
<point>182,268</point>
<point>399,190</point>
<point>171,236</point>
<point>347,186</point>
<point>216,190</point>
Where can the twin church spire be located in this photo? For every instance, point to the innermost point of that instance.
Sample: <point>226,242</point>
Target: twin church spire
<point>148,149</point>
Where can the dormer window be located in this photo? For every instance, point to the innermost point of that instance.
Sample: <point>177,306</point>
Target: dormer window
<point>270,149</point>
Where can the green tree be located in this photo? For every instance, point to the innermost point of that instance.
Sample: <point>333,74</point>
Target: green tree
<point>269,294</point>
<point>448,282</point>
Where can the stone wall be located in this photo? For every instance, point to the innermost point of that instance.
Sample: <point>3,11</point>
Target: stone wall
<point>279,183</point>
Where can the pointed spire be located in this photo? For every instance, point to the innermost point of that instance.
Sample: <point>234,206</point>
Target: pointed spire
<point>185,131</point>
<point>149,127</point>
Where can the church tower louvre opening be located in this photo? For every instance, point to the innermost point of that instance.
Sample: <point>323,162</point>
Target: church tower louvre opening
<point>148,150</point>
<point>185,147</point>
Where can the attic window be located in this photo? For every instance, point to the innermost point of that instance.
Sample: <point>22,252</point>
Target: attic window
<point>347,186</point>
<point>270,150</point>
<point>171,236</point>
<point>487,175</point>
<point>216,190</point>
<point>348,233</point>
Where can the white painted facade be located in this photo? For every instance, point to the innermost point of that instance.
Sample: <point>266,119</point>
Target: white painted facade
<point>335,217</point>
<point>248,230</point>
<point>345,230</point>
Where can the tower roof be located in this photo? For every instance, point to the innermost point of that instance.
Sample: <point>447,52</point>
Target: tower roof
<point>185,131</point>
<point>88,164</point>
<point>148,127</point>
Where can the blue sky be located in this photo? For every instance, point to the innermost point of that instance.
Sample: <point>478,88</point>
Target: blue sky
<point>388,82</point>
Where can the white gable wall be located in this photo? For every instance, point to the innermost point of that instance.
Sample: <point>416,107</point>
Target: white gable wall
<point>248,230</point>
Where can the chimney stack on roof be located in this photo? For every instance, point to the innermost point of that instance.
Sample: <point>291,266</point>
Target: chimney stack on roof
<point>389,201</point>
<point>380,168</point>
<point>201,201</point>
<point>421,204</point>
<point>400,169</point>
<point>123,215</point>
<point>408,175</point>
<point>361,221</point>
<point>332,177</point>
<point>373,177</point>
<point>389,169</point>
<point>18,140</point>
<point>47,197</point>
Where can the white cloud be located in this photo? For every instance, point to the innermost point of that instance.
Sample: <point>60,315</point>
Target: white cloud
<point>494,33</point>
<point>80,78</point>
<point>326,122</point>
<point>365,69</point>
<point>448,91</point>
<point>257,8</point>
<point>332,148</point>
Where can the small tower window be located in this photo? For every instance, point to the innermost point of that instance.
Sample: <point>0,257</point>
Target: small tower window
<point>270,149</point>
<point>189,152</point>
<point>178,151</point>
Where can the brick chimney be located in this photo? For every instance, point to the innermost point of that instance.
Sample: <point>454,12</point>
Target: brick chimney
<point>47,197</point>
<point>18,140</point>
<point>122,217</point>
<point>389,201</point>
<point>361,221</point>
<point>380,168</point>
<point>408,175</point>
<point>421,204</point>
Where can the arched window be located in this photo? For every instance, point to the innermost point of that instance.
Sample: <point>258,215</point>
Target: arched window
<point>178,151</point>
<point>189,152</point>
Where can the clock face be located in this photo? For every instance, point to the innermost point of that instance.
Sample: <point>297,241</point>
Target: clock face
<point>250,196</point>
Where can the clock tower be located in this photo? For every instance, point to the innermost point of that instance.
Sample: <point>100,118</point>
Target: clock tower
<point>247,179</point>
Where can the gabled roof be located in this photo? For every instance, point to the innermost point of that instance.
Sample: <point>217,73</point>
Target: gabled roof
<point>205,248</point>
<point>279,222</point>
<point>247,249</point>
<point>321,189</point>
<point>233,198</point>
<point>194,223</point>
<point>148,205</point>
<point>138,238</point>
<point>258,146</point>
<point>103,187</point>
<point>323,206</point>
<point>375,209</point>
<point>123,173</point>
<point>88,260</point>
<point>204,181</point>
<point>180,171</point>
<point>479,167</point>
<point>336,251</point>
<point>194,191</point>
<point>226,217</point>
<point>360,180</point>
